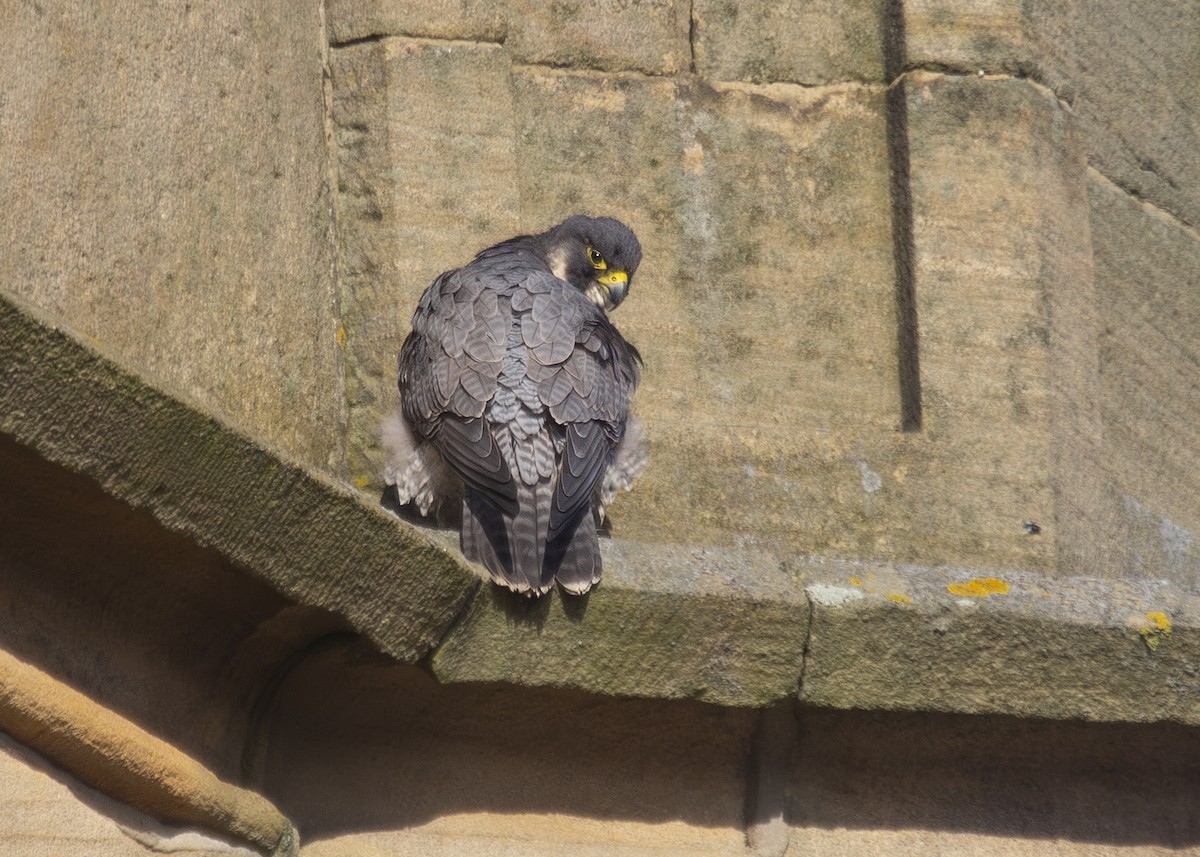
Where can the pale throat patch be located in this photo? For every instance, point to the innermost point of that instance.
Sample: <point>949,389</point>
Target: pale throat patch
<point>558,263</point>
<point>596,294</point>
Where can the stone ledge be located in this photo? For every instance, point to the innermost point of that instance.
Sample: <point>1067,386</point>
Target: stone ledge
<point>733,627</point>
<point>1001,642</point>
<point>721,626</point>
<point>311,539</point>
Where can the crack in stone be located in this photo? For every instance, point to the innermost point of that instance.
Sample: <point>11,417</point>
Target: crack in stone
<point>1166,214</point>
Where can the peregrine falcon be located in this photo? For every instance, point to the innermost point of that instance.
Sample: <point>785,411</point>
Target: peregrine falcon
<point>515,390</point>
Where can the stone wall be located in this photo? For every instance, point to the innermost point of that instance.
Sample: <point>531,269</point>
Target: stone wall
<point>166,193</point>
<point>877,305</point>
<point>916,274</point>
<point>921,317</point>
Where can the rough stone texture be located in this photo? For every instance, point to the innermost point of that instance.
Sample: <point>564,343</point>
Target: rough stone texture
<point>772,378</point>
<point>405,216</point>
<point>763,308</point>
<point>165,179</point>
<point>310,539</point>
<point>667,622</point>
<point>1131,72</point>
<point>882,783</point>
<point>380,756</point>
<point>478,20</point>
<point>1008,642</point>
<point>1003,279</point>
<point>1148,296</point>
<point>811,41</point>
<point>128,763</point>
<point>650,36</point>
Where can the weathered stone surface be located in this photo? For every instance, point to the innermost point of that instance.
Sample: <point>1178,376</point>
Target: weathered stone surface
<point>406,216</point>
<point>976,641</point>
<point>477,20</point>
<point>610,35</point>
<point>668,622</point>
<point>1148,297</point>
<point>366,755</point>
<point>310,539</point>
<point>128,763</point>
<point>166,184</point>
<point>812,41</point>
<point>1131,72</point>
<point>771,346</point>
<point>1002,263</point>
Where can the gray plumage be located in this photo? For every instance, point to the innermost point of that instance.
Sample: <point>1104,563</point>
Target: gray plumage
<point>515,391</point>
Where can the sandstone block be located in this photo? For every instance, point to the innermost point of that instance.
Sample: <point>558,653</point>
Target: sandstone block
<point>1129,70</point>
<point>476,20</point>
<point>404,215</point>
<point>1002,642</point>
<point>814,41</point>
<point>650,36</point>
<point>666,621</point>
<point>1149,344</point>
<point>1002,273</point>
<point>167,187</point>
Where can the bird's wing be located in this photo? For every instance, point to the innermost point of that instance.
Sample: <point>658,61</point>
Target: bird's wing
<point>586,373</point>
<point>449,366</point>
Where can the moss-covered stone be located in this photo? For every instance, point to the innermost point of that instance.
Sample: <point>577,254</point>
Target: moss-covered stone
<point>717,626</point>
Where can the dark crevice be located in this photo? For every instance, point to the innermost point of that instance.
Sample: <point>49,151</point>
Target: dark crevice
<point>907,331</point>
<point>360,40</point>
<point>692,36</point>
<point>808,628</point>
<point>372,38</point>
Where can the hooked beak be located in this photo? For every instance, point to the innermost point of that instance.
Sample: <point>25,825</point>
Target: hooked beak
<point>610,289</point>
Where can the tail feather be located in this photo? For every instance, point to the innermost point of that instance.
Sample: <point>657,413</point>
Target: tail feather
<point>579,559</point>
<point>511,548</point>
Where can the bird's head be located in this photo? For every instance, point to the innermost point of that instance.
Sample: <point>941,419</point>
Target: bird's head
<point>597,255</point>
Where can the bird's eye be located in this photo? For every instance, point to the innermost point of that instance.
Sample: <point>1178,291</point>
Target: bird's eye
<point>596,259</point>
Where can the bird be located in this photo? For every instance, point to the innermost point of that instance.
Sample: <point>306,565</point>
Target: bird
<point>515,391</point>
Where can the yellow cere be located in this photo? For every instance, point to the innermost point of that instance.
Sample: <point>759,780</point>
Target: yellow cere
<point>614,277</point>
<point>980,587</point>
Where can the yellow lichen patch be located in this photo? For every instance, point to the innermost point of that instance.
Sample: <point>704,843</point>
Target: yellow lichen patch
<point>856,581</point>
<point>980,587</point>
<point>340,336</point>
<point>1155,633</point>
<point>898,597</point>
<point>362,481</point>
